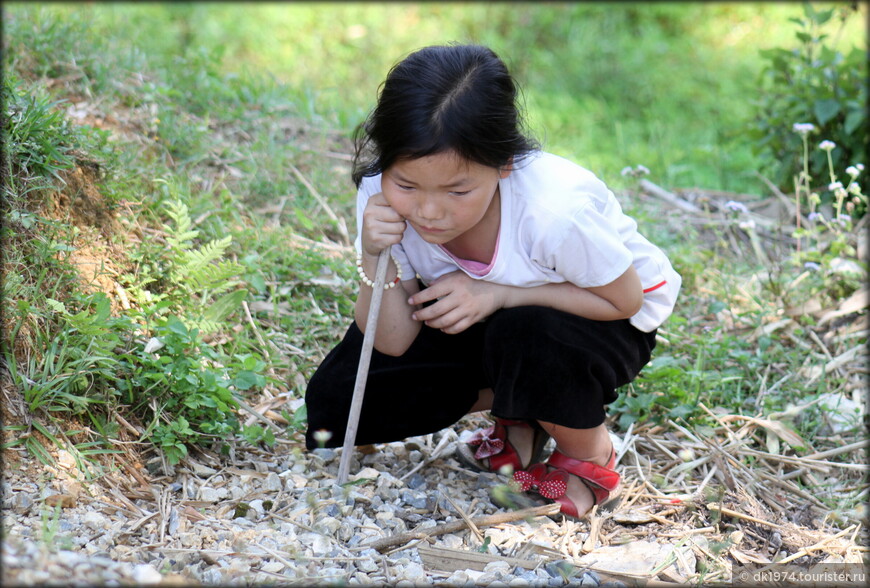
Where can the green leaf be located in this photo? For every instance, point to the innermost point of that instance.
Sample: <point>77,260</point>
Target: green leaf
<point>176,326</point>
<point>56,305</point>
<point>300,418</point>
<point>854,119</point>
<point>825,110</point>
<point>224,305</point>
<point>246,380</point>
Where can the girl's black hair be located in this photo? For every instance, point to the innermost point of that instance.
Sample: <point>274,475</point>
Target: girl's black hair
<point>441,98</point>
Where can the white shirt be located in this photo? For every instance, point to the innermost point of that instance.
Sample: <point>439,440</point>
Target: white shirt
<point>558,223</point>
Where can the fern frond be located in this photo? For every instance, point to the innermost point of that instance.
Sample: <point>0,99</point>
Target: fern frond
<point>179,231</point>
<point>213,275</point>
<point>196,259</point>
<point>226,286</point>
<point>205,326</point>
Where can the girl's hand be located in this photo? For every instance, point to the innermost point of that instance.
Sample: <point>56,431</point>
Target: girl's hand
<point>462,301</point>
<point>382,226</point>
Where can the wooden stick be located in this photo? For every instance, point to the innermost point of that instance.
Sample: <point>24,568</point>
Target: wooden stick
<point>365,358</point>
<point>673,199</point>
<point>342,228</point>
<point>458,525</point>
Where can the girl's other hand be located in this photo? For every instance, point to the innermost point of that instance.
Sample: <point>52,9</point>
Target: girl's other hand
<point>461,302</point>
<point>382,226</point>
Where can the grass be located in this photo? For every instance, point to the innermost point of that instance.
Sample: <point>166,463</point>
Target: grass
<point>220,153</point>
<point>667,85</point>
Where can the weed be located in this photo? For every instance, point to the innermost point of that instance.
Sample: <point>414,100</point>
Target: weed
<point>818,84</point>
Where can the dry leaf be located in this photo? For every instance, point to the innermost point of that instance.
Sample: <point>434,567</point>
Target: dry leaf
<point>783,432</point>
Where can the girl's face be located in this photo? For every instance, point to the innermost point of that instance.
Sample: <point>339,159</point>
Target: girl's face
<point>442,196</point>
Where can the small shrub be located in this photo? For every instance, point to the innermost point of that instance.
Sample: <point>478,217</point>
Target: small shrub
<point>815,84</point>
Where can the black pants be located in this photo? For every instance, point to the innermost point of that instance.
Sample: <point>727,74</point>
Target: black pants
<point>541,363</point>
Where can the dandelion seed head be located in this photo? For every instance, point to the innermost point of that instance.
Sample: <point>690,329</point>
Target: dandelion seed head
<point>827,145</point>
<point>803,128</point>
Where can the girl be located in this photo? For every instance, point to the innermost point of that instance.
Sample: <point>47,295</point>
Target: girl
<point>517,284</point>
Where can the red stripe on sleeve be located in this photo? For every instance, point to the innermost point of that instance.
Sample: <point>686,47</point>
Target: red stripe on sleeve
<point>656,287</point>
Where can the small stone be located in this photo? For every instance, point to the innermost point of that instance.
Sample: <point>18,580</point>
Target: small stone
<point>530,577</point>
<point>21,502</point>
<point>487,579</point>
<point>213,575</point>
<point>272,566</point>
<point>146,574</point>
<point>257,505</point>
<point>590,579</point>
<point>324,453</point>
<point>367,473</point>
<point>272,483</point>
<point>414,573</point>
<point>369,564</point>
<point>208,494</point>
<point>458,578</point>
<point>415,456</point>
<point>452,541</point>
<point>413,499</point>
<point>497,567</point>
<point>95,521</point>
<point>416,481</point>
<point>329,525</point>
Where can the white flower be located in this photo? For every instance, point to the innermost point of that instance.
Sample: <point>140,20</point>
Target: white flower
<point>626,171</point>
<point>322,436</point>
<point>642,170</point>
<point>811,265</point>
<point>844,220</point>
<point>860,166</point>
<point>853,171</point>
<point>803,128</point>
<point>814,216</point>
<point>747,225</point>
<point>827,145</point>
<point>736,206</point>
<point>835,186</point>
<point>854,189</point>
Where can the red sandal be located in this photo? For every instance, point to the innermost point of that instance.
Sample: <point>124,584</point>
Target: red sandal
<point>602,481</point>
<point>491,443</point>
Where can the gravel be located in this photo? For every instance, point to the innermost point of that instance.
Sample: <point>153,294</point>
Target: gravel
<point>272,517</point>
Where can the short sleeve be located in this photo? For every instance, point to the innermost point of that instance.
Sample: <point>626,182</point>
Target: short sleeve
<point>585,249</point>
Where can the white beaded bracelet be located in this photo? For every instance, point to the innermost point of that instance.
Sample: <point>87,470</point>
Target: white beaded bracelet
<point>365,279</point>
